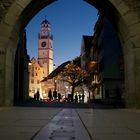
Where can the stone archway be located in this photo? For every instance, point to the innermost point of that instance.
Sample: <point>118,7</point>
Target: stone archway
<point>15,14</point>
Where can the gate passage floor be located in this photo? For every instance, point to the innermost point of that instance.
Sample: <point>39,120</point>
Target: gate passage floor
<point>36,123</point>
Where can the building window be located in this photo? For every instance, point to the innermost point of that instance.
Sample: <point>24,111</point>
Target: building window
<point>36,74</point>
<point>32,74</point>
<point>33,90</point>
<point>38,81</point>
<point>32,81</point>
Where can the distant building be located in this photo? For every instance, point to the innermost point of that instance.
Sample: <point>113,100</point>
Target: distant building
<point>43,66</point>
<point>36,73</point>
<point>52,82</point>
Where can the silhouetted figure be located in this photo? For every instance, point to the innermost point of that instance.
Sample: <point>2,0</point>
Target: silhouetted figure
<point>37,95</point>
<point>79,98</point>
<point>76,98</point>
<point>55,94</point>
<point>34,96</point>
<point>69,97</point>
<point>83,97</point>
<point>59,97</point>
<point>50,95</point>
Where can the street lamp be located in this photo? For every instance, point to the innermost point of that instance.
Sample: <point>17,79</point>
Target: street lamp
<point>54,66</point>
<point>29,63</point>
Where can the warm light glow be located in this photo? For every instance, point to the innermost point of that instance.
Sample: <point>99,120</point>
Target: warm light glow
<point>92,64</point>
<point>44,95</point>
<point>66,87</point>
<point>29,63</point>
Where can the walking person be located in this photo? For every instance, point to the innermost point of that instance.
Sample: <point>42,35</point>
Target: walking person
<point>76,98</point>
<point>55,94</point>
<point>79,98</point>
<point>59,97</point>
<point>83,97</point>
<point>50,95</point>
<point>37,95</point>
<point>34,96</point>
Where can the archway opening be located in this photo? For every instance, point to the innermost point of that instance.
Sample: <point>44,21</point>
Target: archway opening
<point>110,81</point>
<point>120,20</point>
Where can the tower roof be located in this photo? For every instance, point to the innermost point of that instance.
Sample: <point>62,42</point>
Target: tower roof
<point>45,22</point>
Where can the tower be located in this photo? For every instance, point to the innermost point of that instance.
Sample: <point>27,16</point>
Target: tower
<point>45,48</point>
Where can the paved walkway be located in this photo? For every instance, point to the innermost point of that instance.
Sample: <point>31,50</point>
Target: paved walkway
<point>64,126</point>
<point>27,123</point>
<point>112,124</point>
<point>22,123</point>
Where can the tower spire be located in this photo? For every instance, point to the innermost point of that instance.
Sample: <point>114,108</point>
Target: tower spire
<point>45,17</point>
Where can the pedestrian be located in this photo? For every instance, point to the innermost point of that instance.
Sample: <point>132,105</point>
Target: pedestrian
<point>50,95</point>
<point>34,96</point>
<point>69,97</point>
<point>37,95</point>
<point>55,94</point>
<point>79,98</point>
<point>83,96</point>
<point>76,98</point>
<point>59,97</point>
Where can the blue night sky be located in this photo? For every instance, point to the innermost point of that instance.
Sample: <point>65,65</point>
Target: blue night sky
<point>70,19</point>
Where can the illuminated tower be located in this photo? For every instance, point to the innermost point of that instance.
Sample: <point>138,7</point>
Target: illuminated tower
<point>45,48</point>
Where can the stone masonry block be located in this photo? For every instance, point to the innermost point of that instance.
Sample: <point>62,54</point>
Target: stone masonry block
<point>5,29</point>
<point>14,14</point>
<point>131,18</point>
<point>23,3</point>
<point>116,2</point>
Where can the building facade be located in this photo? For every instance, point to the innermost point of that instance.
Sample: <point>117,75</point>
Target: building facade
<point>36,73</point>
<point>88,63</point>
<point>107,53</point>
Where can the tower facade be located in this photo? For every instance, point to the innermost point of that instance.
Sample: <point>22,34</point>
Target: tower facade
<point>45,48</point>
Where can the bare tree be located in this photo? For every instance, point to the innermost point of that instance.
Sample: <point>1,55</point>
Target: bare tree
<point>74,75</point>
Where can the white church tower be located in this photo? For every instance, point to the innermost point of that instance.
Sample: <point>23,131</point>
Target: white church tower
<point>45,48</point>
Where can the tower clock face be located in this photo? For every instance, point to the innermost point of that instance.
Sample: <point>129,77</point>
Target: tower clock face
<point>43,44</point>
